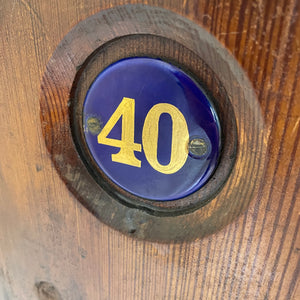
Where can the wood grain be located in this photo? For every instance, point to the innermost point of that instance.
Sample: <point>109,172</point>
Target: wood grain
<point>46,234</point>
<point>110,38</point>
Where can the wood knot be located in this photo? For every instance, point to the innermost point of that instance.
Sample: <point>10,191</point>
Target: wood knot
<point>47,291</point>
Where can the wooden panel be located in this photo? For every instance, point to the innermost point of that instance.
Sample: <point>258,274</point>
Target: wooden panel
<point>46,234</point>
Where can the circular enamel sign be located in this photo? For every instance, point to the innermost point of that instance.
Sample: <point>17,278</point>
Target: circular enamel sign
<point>151,129</point>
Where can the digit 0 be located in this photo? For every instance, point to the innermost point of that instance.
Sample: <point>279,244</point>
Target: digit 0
<point>180,136</point>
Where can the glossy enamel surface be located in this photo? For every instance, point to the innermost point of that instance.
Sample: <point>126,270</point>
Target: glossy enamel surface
<point>167,98</point>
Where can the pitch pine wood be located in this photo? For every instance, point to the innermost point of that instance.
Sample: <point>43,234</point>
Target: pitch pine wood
<point>47,235</point>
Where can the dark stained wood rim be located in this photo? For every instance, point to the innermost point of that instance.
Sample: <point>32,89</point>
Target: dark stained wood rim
<point>157,47</point>
<point>62,74</point>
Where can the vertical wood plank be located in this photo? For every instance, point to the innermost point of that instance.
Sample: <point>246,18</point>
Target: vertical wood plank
<point>45,233</point>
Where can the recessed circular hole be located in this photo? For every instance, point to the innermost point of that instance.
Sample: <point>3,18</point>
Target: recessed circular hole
<point>180,42</point>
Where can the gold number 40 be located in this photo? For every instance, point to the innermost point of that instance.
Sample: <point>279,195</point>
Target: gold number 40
<point>180,136</point>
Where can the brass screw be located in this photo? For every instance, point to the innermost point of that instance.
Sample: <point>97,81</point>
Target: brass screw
<point>93,125</point>
<point>197,147</point>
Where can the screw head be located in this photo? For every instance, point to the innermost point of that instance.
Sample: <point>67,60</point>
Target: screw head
<point>93,125</point>
<point>197,147</point>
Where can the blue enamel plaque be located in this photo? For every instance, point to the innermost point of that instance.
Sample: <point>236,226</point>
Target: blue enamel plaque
<point>151,129</point>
